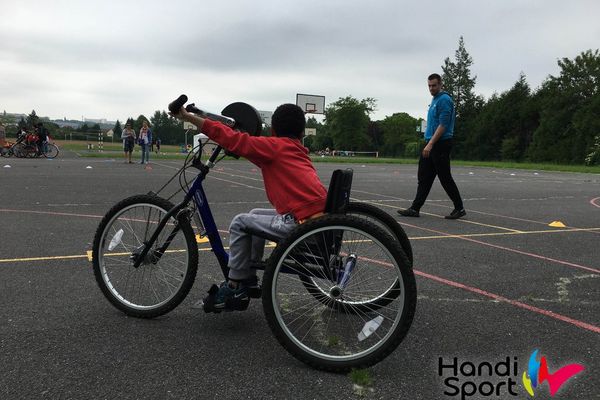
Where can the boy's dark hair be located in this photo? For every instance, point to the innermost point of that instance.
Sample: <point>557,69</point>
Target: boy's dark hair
<point>435,76</point>
<point>288,121</point>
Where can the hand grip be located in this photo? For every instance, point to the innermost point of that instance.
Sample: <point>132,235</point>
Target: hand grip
<point>176,105</point>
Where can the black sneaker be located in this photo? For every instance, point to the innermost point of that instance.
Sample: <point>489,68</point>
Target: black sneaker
<point>456,214</point>
<point>225,298</point>
<point>409,212</point>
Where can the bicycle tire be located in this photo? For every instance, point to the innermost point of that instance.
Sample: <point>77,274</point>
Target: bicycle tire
<point>327,337</point>
<point>18,150</point>
<point>157,286</point>
<point>51,151</point>
<point>385,220</point>
<point>30,151</point>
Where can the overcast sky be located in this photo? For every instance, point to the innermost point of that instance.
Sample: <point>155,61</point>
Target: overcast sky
<point>119,59</point>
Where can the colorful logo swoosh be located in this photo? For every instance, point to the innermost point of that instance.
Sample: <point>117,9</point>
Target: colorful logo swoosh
<point>537,373</point>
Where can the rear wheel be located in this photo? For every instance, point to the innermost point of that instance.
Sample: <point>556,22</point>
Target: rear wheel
<point>390,226</point>
<point>164,278</point>
<point>337,323</point>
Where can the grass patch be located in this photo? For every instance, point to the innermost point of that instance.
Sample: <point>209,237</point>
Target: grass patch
<point>333,341</point>
<point>460,163</point>
<point>361,377</point>
<point>115,149</point>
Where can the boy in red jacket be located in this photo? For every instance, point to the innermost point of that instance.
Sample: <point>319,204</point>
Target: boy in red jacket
<point>292,187</point>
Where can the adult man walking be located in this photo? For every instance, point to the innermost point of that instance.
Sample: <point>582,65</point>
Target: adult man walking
<point>435,157</point>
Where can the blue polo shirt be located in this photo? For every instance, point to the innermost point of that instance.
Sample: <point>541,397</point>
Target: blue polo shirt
<point>441,112</point>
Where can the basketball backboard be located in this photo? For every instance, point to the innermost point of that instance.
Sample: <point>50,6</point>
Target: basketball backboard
<point>311,103</point>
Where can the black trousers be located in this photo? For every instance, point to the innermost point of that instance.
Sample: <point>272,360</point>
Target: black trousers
<point>437,164</point>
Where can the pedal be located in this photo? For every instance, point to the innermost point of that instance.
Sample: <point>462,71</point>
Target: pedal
<point>208,303</point>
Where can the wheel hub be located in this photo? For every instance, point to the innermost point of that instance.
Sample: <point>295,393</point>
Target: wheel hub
<point>336,292</point>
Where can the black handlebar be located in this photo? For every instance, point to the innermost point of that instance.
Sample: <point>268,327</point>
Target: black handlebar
<point>176,105</point>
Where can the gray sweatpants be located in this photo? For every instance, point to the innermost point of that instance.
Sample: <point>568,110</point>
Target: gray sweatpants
<point>245,248</point>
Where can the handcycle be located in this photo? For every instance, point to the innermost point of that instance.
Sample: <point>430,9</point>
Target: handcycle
<point>338,292</point>
<point>26,146</point>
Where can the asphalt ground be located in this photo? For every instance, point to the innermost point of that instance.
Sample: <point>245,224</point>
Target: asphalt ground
<point>498,284</point>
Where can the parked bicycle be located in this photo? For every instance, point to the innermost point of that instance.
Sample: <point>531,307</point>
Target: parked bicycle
<point>338,292</point>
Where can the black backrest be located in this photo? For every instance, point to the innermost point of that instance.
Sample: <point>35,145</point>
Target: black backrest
<point>338,194</point>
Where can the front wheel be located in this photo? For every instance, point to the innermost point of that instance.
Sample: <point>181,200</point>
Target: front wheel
<point>50,151</point>
<point>338,322</point>
<point>164,277</point>
<point>18,149</point>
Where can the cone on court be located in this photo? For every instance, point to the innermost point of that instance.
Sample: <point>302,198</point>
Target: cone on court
<point>557,224</point>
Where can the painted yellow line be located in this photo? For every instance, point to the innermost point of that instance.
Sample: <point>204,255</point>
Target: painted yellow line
<point>504,233</point>
<point>88,255</point>
<point>7,260</point>
<point>466,221</point>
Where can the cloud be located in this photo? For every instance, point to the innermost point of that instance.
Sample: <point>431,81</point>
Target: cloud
<point>115,59</point>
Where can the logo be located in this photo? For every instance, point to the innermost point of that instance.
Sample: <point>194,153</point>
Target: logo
<point>499,378</point>
<point>537,373</point>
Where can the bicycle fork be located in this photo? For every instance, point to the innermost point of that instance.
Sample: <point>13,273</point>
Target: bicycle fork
<point>141,254</point>
<point>344,273</point>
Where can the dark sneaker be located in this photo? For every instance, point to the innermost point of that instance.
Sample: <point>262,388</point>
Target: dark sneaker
<point>224,298</point>
<point>409,212</point>
<point>456,214</point>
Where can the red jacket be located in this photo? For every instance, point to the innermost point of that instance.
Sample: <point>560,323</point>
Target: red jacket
<point>290,179</point>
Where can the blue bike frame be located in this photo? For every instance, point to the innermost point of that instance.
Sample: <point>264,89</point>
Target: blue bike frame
<point>197,194</point>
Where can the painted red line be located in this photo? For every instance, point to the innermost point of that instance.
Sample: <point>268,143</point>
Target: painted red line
<point>547,313</point>
<point>570,264</point>
<point>595,201</point>
<point>497,297</point>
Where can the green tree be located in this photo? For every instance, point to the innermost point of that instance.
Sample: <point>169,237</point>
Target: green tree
<point>569,107</point>
<point>504,127</point>
<point>32,120</point>
<point>117,130</point>
<point>96,128</point>
<point>169,129</point>
<point>458,82</point>
<point>84,128</point>
<point>347,122</point>
<point>457,79</point>
<point>398,132</point>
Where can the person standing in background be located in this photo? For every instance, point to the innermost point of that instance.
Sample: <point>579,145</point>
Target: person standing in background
<point>435,157</point>
<point>145,139</point>
<point>128,136</point>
